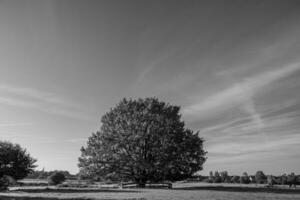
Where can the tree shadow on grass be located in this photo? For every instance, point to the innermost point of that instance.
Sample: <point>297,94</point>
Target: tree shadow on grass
<point>243,189</point>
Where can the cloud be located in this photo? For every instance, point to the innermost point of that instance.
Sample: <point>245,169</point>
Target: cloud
<point>258,146</point>
<point>41,100</point>
<point>240,93</point>
<point>16,124</point>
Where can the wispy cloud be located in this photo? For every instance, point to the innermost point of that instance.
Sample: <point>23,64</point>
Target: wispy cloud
<point>265,128</point>
<point>11,124</point>
<point>41,100</point>
<point>240,93</point>
<point>258,146</point>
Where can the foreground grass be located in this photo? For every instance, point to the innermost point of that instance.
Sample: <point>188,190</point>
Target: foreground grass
<point>181,191</point>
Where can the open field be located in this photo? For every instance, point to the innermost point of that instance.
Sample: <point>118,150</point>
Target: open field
<point>180,191</point>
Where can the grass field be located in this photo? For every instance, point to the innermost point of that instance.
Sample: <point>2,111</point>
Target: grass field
<point>180,191</point>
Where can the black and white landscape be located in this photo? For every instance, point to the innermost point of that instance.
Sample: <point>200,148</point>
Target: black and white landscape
<point>110,98</point>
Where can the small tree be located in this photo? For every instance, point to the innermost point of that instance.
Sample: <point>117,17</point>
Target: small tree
<point>235,179</point>
<point>217,178</point>
<point>15,161</point>
<point>260,177</point>
<point>143,140</point>
<point>270,180</point>
<point>292,180</point>
<point>283,179</point>
<point>56,178</point>
<point>211,177</point>
<point>244,179</point>
<point>225,177</point>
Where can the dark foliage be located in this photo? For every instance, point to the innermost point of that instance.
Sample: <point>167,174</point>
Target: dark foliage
<point>56,178</point>
<point>224,176</point>
<point>217,177</point>
<point>235,179</point>
<point>260,177</point>
<point>42,174</point>
<point>244,179</point>
<point>15,161</point>
<point>143,140</point>
<point>4,183</point>
<point>292,180</point>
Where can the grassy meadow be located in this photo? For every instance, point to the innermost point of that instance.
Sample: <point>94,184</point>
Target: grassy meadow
<point>180,191</point>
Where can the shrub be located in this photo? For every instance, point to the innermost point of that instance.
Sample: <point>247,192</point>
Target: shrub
<point>4,183</point>
<point>56,178</point>
<point>235,179</point>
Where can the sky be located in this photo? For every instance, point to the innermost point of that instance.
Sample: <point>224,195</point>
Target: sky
<point>232,66</point>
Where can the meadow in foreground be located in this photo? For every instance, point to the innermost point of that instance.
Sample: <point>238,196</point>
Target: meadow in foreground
<point>180,191</point>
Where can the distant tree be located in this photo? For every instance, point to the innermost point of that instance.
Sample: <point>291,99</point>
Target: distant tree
<point>211,177</point>
<point>56,178</point>
<point>217,177</point>
<point>270,180</point>
<point>42,174</point>
<point>225,177</point>
<point>292,180</point>
<point>143,140</point>
<point>244,179</point>
<point>252,179</point>
<point>260,177</point>
<point>283,179</point>
<point>15,161</point>
<point>235,179</point>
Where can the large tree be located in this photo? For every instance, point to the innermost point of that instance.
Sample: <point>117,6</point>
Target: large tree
<point>143,140</point>
<point>15,161</point>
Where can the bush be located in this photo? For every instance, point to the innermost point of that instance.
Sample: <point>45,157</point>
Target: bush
<point>235,179</point>
<point>56,178</point>
<point>4,183</point>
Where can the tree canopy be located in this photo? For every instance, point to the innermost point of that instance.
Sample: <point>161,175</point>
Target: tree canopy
<point>143,140</point>
<point>15,161</point>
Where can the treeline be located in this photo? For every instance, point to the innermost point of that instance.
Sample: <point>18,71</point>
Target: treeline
<point>258,178</point>
<point>42,174</point>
